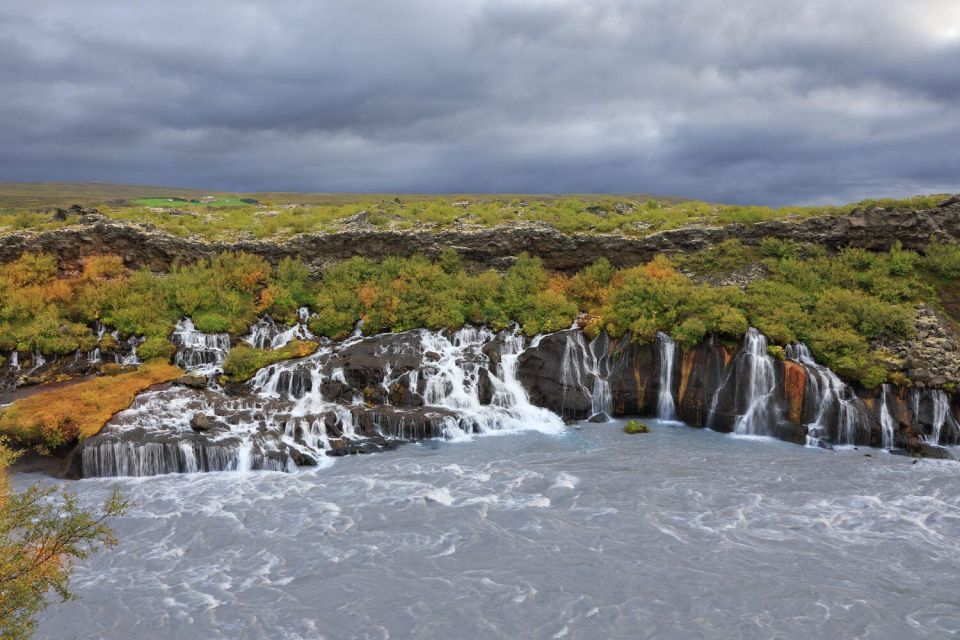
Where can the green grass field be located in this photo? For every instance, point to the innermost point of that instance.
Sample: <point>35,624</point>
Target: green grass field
<point>174,201</point>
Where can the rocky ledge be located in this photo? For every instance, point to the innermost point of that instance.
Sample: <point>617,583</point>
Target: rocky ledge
<point>874,228</point>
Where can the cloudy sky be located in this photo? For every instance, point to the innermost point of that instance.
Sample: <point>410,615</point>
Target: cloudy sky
<point>793,101</point>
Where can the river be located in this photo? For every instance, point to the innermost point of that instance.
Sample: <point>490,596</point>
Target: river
<point>592,533</point>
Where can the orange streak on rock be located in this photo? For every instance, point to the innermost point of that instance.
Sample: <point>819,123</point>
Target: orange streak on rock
<point>794,383</point>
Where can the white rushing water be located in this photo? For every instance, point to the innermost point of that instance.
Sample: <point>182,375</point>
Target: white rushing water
<point>680,533</point>
<point>754,381</point>
<point>197,351</point>
<point>588,366</point>
<point>836,402</point>
<point>666,408</point>
<point>940,415</point>
<point>295,411</point>
<point>887,424</point>
<point>267,334</point>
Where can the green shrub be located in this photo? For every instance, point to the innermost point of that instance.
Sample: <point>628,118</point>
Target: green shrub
<point>156,347</point>
<point>211,323</point>
<point>943,259</point>
<point>635,426</point>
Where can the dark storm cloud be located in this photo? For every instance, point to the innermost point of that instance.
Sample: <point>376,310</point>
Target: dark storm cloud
<point>753,101</point>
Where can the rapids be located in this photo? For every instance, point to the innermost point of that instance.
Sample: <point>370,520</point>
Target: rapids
<point>585,532</point>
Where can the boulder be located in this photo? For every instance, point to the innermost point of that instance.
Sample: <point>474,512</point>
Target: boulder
<point>192,381</point>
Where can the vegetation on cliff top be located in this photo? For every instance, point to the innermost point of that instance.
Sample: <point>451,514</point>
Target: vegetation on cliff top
<point>278,216</point>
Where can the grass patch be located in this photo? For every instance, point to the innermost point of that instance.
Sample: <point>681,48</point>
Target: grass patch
<point>58,416</point>
<point>179,202</point>
<point>243,360</point>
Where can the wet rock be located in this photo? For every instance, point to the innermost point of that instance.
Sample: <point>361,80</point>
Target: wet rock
<point>492,350</point>
<point>202,423</point>
<point>925,450</point>
<point>791,432</point>
<point>300,458</point>
<point>599,417</point>
<point>540,370</point>
<point>192,381</point>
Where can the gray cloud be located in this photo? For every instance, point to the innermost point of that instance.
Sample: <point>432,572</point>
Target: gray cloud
<point>787,102</point>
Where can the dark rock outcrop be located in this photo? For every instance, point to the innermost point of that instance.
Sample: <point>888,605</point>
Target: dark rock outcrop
<point>872,228</point>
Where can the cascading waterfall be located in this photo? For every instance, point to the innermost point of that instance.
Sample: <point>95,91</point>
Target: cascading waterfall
<point>940,416</point>
<point>132,359</point>
<point>267,334</point>
<point>887,426</point>
<point>754,400</point>
<point>37,361</point>
<point>453,383</point>
<point>197,351</point>
<point>666,408</point>
<point>836,402</point>
<point>15,360</point>
<point>583,362</point>
<point>94,355</point>
<point>296,411</point>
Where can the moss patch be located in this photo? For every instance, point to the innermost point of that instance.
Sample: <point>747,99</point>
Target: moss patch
<point>243,360</point>
<point>635,426</point>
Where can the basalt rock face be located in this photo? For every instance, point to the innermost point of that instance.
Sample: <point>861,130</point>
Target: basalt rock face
<point>367,394</point>
<point>144,245</point>
<point>735,388</point>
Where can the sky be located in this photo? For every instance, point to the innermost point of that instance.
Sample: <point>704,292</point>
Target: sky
<point>746,101</point>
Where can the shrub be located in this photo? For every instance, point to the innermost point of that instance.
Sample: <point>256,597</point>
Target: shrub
<point>779,248</point>
<point>211,323</point>
<point>635,426</point>
<point>943,259</point>
<point>156,347</point>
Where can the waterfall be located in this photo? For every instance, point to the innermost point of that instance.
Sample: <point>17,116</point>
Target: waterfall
<point>666,408</point>
<point>93,356</point>
<point>753,375</point>
<point>131,359</point>
<point>197,351</point>
<point>453,383</point>
<point>267,334</point>
<point>15,360</point>
<point>940,415</point>
<point>591,363</point>
<point>836,403</point>
<point>887,426</point>
<point>37,360</point>
<point>294,412</point>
